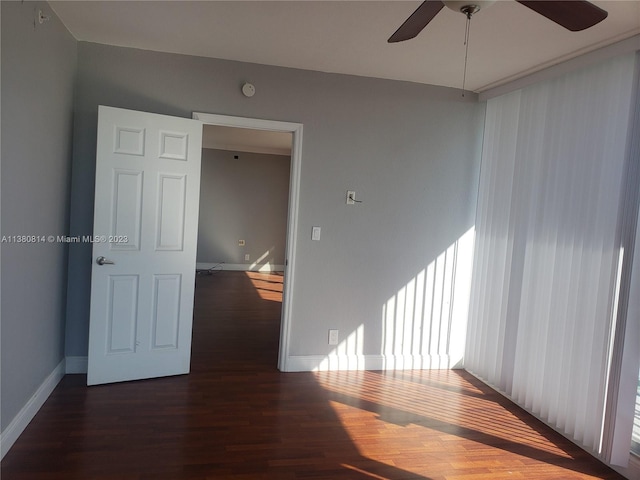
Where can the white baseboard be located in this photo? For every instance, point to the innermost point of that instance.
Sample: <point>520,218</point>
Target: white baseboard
<point>10,434</point>
<point>76,365</point>
<point>632,471</point>
<point>321,363</point>
<point>332,362</point>
<point>316,363</point>
<point>242,267</point>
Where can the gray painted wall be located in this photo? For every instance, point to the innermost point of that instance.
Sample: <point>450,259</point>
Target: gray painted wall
<point>38,72</point>
<point>410,151</point>
<point>244,198</point>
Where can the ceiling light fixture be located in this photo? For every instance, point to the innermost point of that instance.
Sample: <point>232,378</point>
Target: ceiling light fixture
<point>464,5</point>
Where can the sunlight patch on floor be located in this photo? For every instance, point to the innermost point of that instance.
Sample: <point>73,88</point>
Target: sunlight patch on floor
<point>412,412</point>
<point>267,285</point>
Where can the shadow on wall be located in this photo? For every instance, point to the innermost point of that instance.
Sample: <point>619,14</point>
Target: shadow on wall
<point>423,324</point>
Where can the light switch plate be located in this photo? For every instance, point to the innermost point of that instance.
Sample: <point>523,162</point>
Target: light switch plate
<point>315,233</point>
<point>351,197</point>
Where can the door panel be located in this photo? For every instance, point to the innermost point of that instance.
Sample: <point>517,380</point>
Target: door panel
<point>145,230</point>
<point>127,208</point>
<point>171,194</point>
<point>166,315</point>
<point>122,307</point>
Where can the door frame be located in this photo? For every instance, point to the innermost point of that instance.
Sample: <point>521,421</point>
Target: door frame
<point>292,217</point>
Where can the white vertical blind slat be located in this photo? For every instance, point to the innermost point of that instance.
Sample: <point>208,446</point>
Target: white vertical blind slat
<point>547,244</point>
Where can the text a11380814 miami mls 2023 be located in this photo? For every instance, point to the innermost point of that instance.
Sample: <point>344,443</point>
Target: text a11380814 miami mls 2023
<point>64,239</point>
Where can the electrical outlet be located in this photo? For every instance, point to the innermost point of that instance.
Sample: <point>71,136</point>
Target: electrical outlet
<point>241,243</point>
<point>246,257</point>
<point>333,337</point>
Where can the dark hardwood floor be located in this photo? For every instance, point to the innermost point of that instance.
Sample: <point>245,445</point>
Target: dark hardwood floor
<point>236,417</point>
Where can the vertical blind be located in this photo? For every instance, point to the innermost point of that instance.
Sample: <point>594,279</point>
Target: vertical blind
<point>548,244</point>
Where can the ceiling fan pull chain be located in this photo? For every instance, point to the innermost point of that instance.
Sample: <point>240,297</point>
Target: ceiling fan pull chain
<point>466,51</point>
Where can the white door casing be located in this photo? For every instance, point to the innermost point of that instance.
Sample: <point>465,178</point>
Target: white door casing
<point>292,218</point>
<point>146,223</point>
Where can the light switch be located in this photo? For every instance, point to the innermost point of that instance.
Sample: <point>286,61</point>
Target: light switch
<point>351,197</point>
<point>315,233</point>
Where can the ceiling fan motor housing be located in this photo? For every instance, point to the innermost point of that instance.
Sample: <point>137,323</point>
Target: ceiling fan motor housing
<point>468,7</point>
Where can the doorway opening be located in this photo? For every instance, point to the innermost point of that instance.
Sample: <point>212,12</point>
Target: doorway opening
<point>235,127</point>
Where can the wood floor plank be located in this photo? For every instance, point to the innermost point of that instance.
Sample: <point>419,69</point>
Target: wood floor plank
<point>236,417</point>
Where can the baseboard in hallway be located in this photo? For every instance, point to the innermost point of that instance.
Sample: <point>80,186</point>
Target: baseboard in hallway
<point>242,267</point>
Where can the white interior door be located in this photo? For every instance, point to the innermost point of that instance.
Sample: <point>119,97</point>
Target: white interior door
<point>144,245</point>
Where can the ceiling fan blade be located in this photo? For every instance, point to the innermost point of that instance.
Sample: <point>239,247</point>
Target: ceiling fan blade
<point>419,19</point>
<point>574,15</point>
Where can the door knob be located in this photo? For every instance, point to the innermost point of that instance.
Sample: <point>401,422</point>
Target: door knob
<point>104,261</point>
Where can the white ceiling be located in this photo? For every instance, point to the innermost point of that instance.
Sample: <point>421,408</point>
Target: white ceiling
<point>508,40</point>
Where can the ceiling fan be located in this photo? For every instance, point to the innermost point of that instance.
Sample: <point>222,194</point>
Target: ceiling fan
<point>574,15</point>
